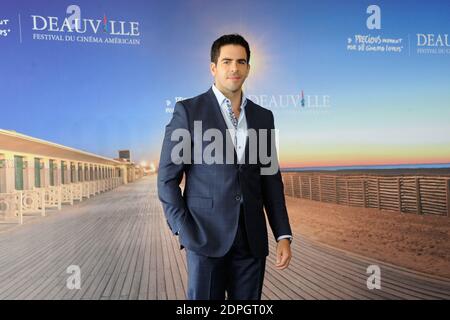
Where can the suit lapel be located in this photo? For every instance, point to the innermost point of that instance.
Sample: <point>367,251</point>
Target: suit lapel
<point>217,114</point>
<point>249,115</point>
<point>221,124</point>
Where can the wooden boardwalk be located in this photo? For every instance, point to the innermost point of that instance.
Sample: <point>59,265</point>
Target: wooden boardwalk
<point>125,250</point>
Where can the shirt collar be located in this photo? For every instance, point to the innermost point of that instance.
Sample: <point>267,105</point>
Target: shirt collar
<point>221,97</point>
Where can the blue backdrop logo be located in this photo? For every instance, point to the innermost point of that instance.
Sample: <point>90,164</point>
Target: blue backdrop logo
<point>431,43</point>
<point>374,21</point>
<point>374,43</point>
<point>74,28</point>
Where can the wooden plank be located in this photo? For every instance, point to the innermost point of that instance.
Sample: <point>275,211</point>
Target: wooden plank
<point>125,251</point>
<point>39,265</point>
<point>86,253</point>
<point>378,193</point>
<point>418,200</point>
<point>137,277</point>
<point>447,195</point>
<point>114,285</point>
<point>133,270</point>
<point>111,265</point>
<point>143,281</point>
<point>355,278</point>
<point>292,184</point>
<point>152,280</point>
<point>104,263</point>
<point>310,188</point>
<point>178,268</point>
<point>397,276</point>
<point>347,280</point>
<point>167,271</point>
<point>299,178</point>
<point>161,292</point>
<point>320,189</point>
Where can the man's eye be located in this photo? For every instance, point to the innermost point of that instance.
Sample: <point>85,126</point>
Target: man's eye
<point>226,62</point>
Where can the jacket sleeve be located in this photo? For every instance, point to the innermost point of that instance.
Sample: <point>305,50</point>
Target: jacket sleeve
<point>171,168</point>
<point>273,190</point>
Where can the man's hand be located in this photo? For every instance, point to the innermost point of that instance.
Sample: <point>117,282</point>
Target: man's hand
<point>283,254</point>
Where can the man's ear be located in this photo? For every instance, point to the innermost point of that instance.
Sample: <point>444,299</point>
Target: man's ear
<point>213,68</point>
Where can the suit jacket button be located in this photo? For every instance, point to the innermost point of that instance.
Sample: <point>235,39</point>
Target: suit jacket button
<point>238,198</point>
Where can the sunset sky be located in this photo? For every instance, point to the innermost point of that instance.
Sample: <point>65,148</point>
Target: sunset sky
<point>382,108</point>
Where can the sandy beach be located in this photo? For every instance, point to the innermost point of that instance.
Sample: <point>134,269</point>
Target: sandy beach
<point>417,242</point>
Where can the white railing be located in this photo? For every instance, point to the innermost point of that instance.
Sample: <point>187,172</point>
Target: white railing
<point>33,201</point>
<point>77,191</point>
<point>96,187</point>
<point>85,189</point>
<point>92,188</point>
<point>52,197</point>
<point>67,194</point>
<point>11,207</point>
<point>14,205</point>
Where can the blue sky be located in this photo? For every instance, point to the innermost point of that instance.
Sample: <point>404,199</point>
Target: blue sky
<point>102,98</point>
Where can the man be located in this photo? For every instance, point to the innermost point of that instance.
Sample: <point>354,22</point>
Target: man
<point>219,217</point>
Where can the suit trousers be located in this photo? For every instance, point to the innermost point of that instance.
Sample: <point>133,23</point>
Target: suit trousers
<point>238,275</point>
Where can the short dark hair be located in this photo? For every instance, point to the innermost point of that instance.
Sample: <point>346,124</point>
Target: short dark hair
<point>228,39</point>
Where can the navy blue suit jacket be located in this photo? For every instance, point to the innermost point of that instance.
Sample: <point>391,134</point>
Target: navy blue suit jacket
<point>206,214</point>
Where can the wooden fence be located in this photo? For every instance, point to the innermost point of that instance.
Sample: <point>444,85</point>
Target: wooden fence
<point>412,194</point>
<point>18,203</point>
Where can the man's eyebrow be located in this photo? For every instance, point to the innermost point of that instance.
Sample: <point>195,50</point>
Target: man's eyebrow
<point>229,59</point>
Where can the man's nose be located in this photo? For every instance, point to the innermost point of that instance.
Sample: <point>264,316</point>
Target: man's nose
<point>233,66</point>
